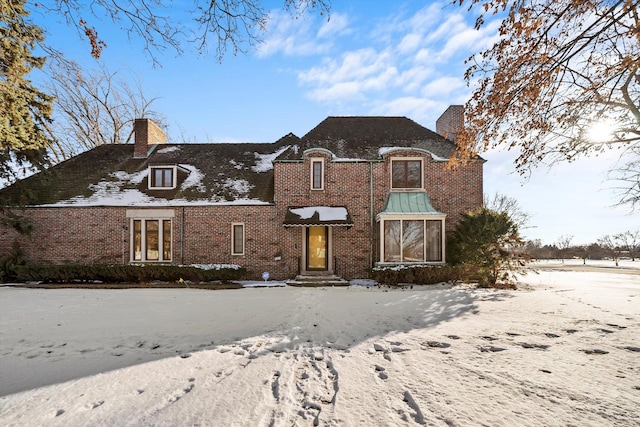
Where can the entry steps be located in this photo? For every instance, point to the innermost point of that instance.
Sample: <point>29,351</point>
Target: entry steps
<point>316,281</point>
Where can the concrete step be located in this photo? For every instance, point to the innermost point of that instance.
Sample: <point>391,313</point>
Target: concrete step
<point>317,281</point>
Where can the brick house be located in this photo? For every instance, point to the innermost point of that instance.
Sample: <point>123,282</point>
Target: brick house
<point>352,193</point>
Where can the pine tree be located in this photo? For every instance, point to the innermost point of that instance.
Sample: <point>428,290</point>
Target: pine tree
<point>24,110</point>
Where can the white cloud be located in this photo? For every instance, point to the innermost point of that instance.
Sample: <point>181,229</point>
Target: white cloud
<point>443,86</point>
<point>420,109</point>
<point>337,24</point>
<point>410,43</point>
<point>412,79</point>
<point>294,36</point>
<point>356,72</point>
<point>408,65</point>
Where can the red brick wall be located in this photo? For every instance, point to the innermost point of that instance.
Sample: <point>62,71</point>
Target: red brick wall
<point>102,234</point>
<point>72,235</point>
<point>348,184</point>
<point>207,231</point>
<point>84,235</point>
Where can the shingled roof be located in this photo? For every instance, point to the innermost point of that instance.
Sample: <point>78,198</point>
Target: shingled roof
<point>359,137</point>
<point>109,175</point>
<point>239,173</point>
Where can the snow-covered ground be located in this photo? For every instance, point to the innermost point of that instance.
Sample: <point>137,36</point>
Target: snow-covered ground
<point>564,349</point>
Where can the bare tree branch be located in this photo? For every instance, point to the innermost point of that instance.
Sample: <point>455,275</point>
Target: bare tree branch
<point>224,25</point>
<point>92,109</point>
<point>559,67</point>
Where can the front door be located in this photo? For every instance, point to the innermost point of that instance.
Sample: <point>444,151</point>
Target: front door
<point>317,248</point>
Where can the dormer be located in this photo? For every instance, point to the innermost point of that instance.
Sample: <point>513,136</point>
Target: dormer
<point>162,177</point>
<point>166,176</point>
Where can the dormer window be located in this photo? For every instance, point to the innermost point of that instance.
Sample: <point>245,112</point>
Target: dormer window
<point>406,173</point>
<point>162,177</point>
<point>317,174</point>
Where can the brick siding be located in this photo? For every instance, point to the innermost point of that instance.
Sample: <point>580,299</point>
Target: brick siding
<point>102,234</point>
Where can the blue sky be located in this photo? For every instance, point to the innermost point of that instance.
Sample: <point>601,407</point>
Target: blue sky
<point>385,58</point>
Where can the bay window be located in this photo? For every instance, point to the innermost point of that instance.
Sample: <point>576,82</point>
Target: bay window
<point>412,240</point>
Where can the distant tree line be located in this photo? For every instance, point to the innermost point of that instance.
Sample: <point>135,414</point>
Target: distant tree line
<point>614,247</point>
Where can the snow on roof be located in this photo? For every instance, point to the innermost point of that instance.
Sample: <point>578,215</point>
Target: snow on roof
<point>112,193</point>
<point>168,149</point>
<point>238,186</point>
<point>194,179</point>
<point>137,198</point>
<point>264,162</point>
<point>132,178</point>
<point>326,213</point>
<point>382,151</point>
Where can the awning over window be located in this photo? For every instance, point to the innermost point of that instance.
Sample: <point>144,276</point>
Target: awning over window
<point>408,202</point>
<point>305,216</point>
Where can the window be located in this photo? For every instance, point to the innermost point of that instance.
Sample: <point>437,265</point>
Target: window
<point>317,174</point>
<point>162,177</point>
<point>237,239</point>
<point>406,174</point>
<point>151,240</point>
<point>412,240</point>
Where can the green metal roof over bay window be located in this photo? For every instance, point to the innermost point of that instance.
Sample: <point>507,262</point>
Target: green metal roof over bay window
<point>408,202</point>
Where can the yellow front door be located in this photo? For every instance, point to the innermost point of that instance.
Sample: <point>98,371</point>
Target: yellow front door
<point>317,245</point>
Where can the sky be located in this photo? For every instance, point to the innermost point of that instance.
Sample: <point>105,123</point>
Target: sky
<point>400,58</point>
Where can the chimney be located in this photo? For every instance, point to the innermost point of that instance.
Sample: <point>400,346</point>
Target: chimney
<point>450,122</point>
<point>147,133</point>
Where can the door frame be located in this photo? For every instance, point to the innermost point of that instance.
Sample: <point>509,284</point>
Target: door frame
<point>329,252</point>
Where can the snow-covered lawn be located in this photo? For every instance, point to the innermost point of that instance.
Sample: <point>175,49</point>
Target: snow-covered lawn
<point>564,349</point>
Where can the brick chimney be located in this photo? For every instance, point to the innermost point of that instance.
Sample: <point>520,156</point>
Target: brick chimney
<point>147,133</point>
<point>451,121</point>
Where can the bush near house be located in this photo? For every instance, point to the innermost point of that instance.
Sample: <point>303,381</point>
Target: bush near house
<point>417,274</point>
<point>123,273</point>
<point>8,263</point>
<point>483,247</point>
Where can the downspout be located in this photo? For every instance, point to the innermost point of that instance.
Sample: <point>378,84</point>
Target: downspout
<point>182,236</point>
<point>124,246</point>
<point>371,227</point>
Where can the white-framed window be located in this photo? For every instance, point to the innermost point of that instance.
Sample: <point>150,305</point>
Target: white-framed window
<point>406,173</point>
<point>237,238</point>
<point>151,240</point>
<point>151,235</point>
<point>317,174</point>
<point>162,177</point>
<point>408,239</point>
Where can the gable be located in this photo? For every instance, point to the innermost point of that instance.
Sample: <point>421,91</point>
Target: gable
<point>363,138</point>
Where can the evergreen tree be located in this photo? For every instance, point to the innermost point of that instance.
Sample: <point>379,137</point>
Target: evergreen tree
<point>483,242</point>
<point>24,110</point>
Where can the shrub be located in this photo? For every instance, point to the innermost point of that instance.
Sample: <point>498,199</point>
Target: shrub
<point>418,274</point>
<point>482,246</point>
<point>71,273</point>
<point>10,262</point>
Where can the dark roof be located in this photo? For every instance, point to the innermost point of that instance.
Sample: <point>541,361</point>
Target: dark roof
<point>207,173</point>
<point>360,137</point>
<point>213,173</point>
